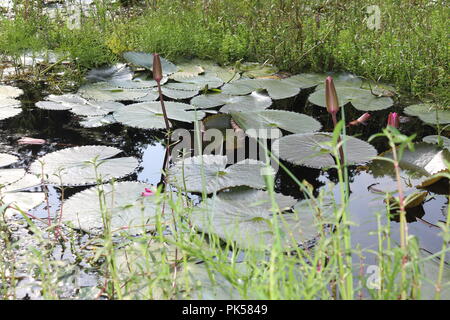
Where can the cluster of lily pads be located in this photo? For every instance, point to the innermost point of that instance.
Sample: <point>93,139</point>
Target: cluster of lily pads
<point>242,96</point>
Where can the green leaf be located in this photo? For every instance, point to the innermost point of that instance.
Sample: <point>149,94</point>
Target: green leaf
<point>314,150</point>
<point>124,203</point>
<point>253,102</point>
<point>265,123</point>
<point>145,60</point>
<point>209,173</point>
<point>429,113</point>
<point>70,166</point>
<point>361,99</point>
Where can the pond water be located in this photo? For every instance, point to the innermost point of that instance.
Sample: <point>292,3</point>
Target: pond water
<point>61,129</point>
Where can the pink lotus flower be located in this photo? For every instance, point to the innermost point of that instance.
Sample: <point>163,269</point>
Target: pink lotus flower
<point>361,120</point>
<point>28,140</point>
<point>331,96</point>
<point>393,120</point>
<point>147,192</point>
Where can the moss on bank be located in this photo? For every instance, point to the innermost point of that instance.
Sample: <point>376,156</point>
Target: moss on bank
<point>408,46</point>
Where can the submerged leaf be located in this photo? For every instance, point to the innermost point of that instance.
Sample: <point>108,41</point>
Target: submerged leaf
<point>209,173</point>
<point>71,166</point>
<point>314,150</point>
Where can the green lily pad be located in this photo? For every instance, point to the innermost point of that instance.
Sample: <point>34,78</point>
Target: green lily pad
<point>253,102</point>
<point>361,99</point>
<point>149,115</point>
<point>262,123</point>
<point>429,113</point>
<point>314,150</point>
<point>104,91</point>
<point>12,185</point>
<point>97,121</point>
<point>145,60</point>
<point>277,89</point>
<point>257,70</point>
<point>209,173</point>
<point>123,201</point>
<point>9,92</point>
<point>70,166</point>
<point>9,108</point>
<point>434,139</point>
<point>78,105</point>
<point>246,218</point>
<point>118,72</point>
<point>7,159</point>
<point>305,80</point>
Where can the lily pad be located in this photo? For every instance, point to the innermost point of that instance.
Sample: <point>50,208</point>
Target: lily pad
<point>104,91</point>
<point>118,72</point>
<point>246,218</point>
<point>261,123</point>
<point>79,105</point>
<point>429,113</point>
<point>128,209</point>
<point>435,140</point>
<point>254,102</point>
<point>9,108</point>
<point>361,99</point>
<point>145,60</point>
<point>97,121</point>
<point>70,166</point>
<point>9,92</point>
<point>149,115</point>
<point>314,150</point>
<point>209,173</point>
<point>257,70</point>
<point>7,159</point>
<point>12,185</point>
<point>277,89</point>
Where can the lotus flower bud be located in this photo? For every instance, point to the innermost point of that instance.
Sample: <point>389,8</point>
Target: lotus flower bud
<point>331,96</point>
<point>157,69</point>
<point>148,192</point>
<point>393,120</point>
<point>361,120</point>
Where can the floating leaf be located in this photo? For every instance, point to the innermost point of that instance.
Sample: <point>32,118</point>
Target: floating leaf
<point>118,72</point>
<point>71,166</point>
<point>187,69</point>
<point>305,80</point>
<point>9,108</point>
<point>435,139</point>
<point>314,150</point>
<point>145,60</point>
<point>104,91</point>
<point>7,159</point>
<point>12,183</point>
<point>97,121</point>
<point>429,113</point>
<point>246,217</point>
<point>419,165</point>
<point>123,202</point>
<point>277,89</point>
<point>203,81</point>
<point>260,124</point>
<point>412,200</point>
<point>253,102</point>
<point>79,105</point>
<point>9,92</point>
<point>149,115</point>
<point>209,173</point>
<point>361,99</point>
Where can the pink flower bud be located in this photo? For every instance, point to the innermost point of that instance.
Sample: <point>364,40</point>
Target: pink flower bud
<point>393,120</point>
<point>28,140</point>
<point>331,96</point>
<point>361,120</point>
<point>147,192</point>
<point>157,69</point>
